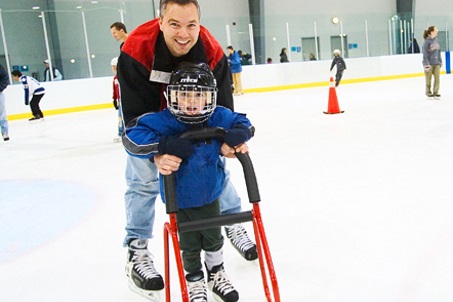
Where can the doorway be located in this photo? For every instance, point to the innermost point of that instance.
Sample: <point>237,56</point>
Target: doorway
<point>309,47</point>
<point>336,43</point>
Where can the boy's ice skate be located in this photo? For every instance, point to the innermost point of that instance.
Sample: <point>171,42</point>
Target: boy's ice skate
<point>143,277</point>
<point>220,285</point>
<point>240,240</point>
<point>196,286</point>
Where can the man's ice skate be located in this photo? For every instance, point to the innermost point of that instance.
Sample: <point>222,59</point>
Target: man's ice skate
<point>430,96</point>
<point>220,285</point>
<point>437,96</point>
<point>240,240</point>
<point>5,137</point>
<point>196,286</point>
<point>143,277</point>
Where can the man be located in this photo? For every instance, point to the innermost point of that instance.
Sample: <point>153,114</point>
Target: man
<point>56,75</point>
<point>4,82</point>
<point>119,32</point>
<point>149,55</point>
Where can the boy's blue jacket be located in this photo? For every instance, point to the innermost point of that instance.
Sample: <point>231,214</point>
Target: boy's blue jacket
<point>200,177</point>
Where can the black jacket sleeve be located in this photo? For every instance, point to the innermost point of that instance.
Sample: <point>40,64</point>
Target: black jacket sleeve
<point>222,74</point>
<point>4,80</point>
<point>138,94</point>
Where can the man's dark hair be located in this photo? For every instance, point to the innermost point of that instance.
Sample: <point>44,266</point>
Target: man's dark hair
<point>119,26</point>
<point>16,73</point>
<point>163,5</point>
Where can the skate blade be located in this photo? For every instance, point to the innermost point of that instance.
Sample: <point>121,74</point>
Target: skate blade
<point>152,295</point>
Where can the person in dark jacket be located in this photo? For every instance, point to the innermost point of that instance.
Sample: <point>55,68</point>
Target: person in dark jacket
<point>246,58</point>
<point>413,48</point>
<point>4,82</point>
<point>148,56</point>
<point>56,74</point>
<point>341,66</point>
<point>191,104</point>
<point>283,56</point>
<point>432,62</point>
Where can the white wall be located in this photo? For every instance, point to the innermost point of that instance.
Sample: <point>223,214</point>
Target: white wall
<point>62,94</point>
<point>86,92</point>
<point>277,74</point>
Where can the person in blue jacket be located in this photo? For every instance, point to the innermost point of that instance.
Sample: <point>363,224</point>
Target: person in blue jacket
<point>236,68</point>
<point>191,104</point>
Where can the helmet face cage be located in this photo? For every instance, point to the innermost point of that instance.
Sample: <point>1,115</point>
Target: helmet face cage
<point>191,104</point>
<point>192,93</point>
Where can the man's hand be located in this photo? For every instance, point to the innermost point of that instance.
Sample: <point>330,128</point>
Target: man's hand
<point>166,163</point>
<point>228,151</point>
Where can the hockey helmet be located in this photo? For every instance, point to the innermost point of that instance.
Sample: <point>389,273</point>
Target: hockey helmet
<point>192,93</point>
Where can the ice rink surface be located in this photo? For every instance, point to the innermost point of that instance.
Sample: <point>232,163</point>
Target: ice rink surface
<point>357,206</point>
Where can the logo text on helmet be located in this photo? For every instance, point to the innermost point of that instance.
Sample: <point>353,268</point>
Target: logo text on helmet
<point>189,80</point>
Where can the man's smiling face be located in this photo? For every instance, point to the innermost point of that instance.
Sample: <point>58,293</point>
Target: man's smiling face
<point>181,27</point>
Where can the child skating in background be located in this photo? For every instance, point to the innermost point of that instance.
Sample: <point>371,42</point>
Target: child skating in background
<point>191,104</point>
<point>117,101</point>
<point>341,66</point>
<point>33,93</point>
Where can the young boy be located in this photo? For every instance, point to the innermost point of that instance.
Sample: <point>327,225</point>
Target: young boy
<point>191,101</point>
<point>117,101</point>
<point>33,93</point>
<point>341,66</point>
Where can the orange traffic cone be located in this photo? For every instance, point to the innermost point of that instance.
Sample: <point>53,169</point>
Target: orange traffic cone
<point>333,107</point>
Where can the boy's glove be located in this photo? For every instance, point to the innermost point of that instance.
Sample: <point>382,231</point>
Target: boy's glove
<point>26,103</point>
<point>236,136</point>
<point>176,146</point>
<point>115,104</point>
<point>427,68</point>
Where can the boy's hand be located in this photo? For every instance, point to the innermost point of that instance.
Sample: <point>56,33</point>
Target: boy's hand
<point>177,146</point>
<point>236,136</point>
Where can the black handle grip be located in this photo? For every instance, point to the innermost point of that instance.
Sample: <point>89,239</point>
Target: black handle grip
<point>171,204</point>
<point>250,177</point>
<point>204,133</point>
